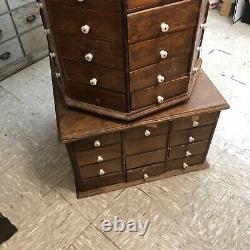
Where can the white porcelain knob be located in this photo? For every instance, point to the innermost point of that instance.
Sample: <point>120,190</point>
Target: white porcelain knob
<point>204,25</point>
<point>85,29</point>
<point>93,81</point>
<point>184,165</point>
<point>52,55</point>
<point>39,5</point>
<point>195,124</point>
<point>101,172</point>
<point>80,0</point>
<point>46,31</point>
<point>160,79</point>
<point>188,153</point>
<point>145,176</point>
<point>97,144</point>
<point>147,133</point>
<point>160,99</point>
<point>58,75</point>
<point>191,139</point>
<point>89,57</point>
<point>164,27</point>
<point>195,69</point>
<point>100,158</point>
<point>199,49</point>
<point>163,54</point>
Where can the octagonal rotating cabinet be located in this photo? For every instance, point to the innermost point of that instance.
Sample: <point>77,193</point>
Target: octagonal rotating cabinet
<point>124,58</point>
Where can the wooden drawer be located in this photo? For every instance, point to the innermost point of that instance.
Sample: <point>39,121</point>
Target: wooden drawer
<point>145,25</point>
<point>97,142</point>
<point>149,52</point>
<point>101,169</point>
<point>7,29</point>
<point>195,121</point>
<point>190,161</point>
<point>105,54</point>
<point>107,78</point>
<point>145,97</point>
<point>10,51</point>
<point>149,158</point>
<point>103,25</point>
<point>98,155</point>
<point>170,69</point>
<point>153,143</point>
<point>190,135</point>
<point>188,150</point>
<point>146,172</point>
<point>13,4</point>
<point>26,17</point>
<point>3,7</point>
<point>98,97</point>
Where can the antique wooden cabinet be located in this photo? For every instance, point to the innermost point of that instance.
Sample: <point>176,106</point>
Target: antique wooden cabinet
<point>107,154</point>
<point>124,58</point>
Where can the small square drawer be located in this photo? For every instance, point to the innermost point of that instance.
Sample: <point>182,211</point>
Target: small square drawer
<point>195,121</point>
<point>101,169</point>
<point>26,17</point>
<point>188,150</point>
<point>7,29</point>
<point>13,4</point>
<point>3,7</point>
<point>146,172</point>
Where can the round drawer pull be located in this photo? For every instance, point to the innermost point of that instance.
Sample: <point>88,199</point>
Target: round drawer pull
<point>85,29</point>
<point>164,27</point>
<point>163,54</point>
<point>89,57</point>
<point>100,158</point>
<point>93,81</point>
<point>195,124</point>
<point>58,75</point>
<point>160,99</point>
<point>160,79</point>
<point>147,133</point>
<point>101,172</point>
<point>191,139</point>
<point>145,176</point>
<point>204,25</point>
<point>52,55</point>
<point>185,165</point>
<point>195,69</point>
<point>199,49</point>
<point>39,5</point>
<point>31,18</point>
<point>5,55</point>
<point>80,0</point>
<point>46,31</point>
<point>188,153</point>
<point>97,144</point>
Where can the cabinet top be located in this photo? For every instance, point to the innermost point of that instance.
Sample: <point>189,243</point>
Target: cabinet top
<point>74,125</point>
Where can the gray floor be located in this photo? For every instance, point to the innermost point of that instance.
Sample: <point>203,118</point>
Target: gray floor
<point>203,210</point>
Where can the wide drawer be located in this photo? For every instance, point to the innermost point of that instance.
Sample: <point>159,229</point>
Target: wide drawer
<point>101,169</point>
<point>195,121</point>
<point>7,29</point>
<point>160,49</point>
<point>168,70</point>
<point>148,24</point>
<point>102,25</point>
<point>153,143</point>
<point>155,94</point>
<point>190,135</point>
<point>98,97</point>
<point>81,49</point>
<point>145,173</point>
<point>98,155</point>
<point>145,159</point>
<point>93,75</point>
<point>188,150</point>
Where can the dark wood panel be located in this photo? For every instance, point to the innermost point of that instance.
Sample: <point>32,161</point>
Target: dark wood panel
<point>170,69</point>
<point>188,150</point>
<point>149,158</point>
<point>167,90</point>
<point>145,25</point>
<point>148,52</point>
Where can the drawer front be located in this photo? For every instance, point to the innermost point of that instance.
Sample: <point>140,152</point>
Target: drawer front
<point>106,78</point>
<point>152,75</point>
<point>188,150</point>
<point>7,29</point>
<point>3,7</point>
<point>146,172</point>
<point>151,95</point>
<point>102,181</point>
<point>98,97</point>
<point>10,51</point>
<point>101,169</point>
<point>103,53</point>
<point>190,135</point>
<point>34,41</point>
<point>149,52</point>
<point>26,18</point>
<point>13,4</point>
<point>98,155</point>
<point>149,158</point>
<point>102,25</point>
<point>97,142</point>
<point>195,121</point>
<point>148,24</point>
<point>145,145</point>
<point>179,163</point>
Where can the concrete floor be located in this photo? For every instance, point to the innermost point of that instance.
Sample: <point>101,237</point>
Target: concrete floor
<point>203,210</point>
